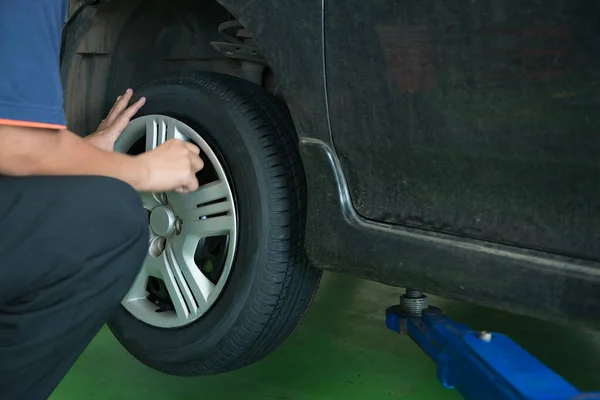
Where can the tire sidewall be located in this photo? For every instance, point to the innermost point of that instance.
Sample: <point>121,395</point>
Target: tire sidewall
<point>229,135</point>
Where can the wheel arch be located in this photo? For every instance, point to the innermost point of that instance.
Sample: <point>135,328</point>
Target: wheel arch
<point>109,46</point>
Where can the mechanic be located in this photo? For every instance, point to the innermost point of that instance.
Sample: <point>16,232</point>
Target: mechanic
<point>73,232</point>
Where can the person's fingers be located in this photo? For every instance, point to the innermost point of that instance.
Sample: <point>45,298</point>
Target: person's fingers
<point>192,147</point>
<point>197,163</point>
<point>188,188</point>
<point>104,123</point>
<point>135,107</point>
<point>121,122</point>
<point>119,106</point>
<point>131,111</point>
<point>101,126</point>
<point>191,185</point>
<point>112,109</point>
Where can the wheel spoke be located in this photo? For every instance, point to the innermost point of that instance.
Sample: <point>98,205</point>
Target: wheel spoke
<point>184,249</point>
<point>138,289</point>
<point>182,297</point>
<point>206,227</point>
<point>159,130</point>
<point>210,192</point>
<point>208,211</point>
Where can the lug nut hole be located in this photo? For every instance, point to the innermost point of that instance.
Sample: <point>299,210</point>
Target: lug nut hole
<point>157,246</point>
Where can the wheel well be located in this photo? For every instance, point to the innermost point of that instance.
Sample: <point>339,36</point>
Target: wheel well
<point>108,47</point>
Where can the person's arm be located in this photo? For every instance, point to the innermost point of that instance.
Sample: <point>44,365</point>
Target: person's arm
<point>34,139</point>
<point>33,135</point>
<point>34,151</point>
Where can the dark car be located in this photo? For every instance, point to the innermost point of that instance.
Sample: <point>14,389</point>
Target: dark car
<point>451,146</point>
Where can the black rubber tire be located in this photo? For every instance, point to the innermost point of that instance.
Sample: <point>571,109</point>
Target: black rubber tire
<point>271,284</point>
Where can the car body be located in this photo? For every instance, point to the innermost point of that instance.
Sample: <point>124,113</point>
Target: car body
<point>448,146</point>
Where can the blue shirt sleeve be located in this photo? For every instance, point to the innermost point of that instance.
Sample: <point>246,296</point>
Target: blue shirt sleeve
<point>31,91</point>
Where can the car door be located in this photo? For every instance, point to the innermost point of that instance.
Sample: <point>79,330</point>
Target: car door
<point>475,118</point>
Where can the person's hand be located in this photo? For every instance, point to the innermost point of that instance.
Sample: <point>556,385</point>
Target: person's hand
<point>115,122</point>
<point>171,166</point>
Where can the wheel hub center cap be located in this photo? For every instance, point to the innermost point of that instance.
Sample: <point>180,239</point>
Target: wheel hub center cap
<point>162,221</point>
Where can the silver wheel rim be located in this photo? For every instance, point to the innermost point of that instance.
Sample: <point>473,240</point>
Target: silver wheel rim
<point>179,226</point>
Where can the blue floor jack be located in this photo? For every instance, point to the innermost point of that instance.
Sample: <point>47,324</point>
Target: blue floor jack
<point>479,365</point>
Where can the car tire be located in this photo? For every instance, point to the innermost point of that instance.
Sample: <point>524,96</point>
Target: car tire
<point>271,283</point>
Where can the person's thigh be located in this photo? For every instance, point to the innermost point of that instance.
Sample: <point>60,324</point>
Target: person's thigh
<point>69,249</point>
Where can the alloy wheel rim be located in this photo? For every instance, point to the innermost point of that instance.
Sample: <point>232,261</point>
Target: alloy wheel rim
<point>183,233</point>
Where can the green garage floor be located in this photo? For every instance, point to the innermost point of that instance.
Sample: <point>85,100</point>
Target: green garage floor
<point>341,351</point>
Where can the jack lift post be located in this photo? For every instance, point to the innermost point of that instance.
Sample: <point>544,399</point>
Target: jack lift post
<point>479,365</point>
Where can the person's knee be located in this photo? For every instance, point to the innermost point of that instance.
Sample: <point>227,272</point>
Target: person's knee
<point>107,212</point>
<point>73,229</point>
<point>119,209</point>
<point>123,233</point>
<point>117,201</point>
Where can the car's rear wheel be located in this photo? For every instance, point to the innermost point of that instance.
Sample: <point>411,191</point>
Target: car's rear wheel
<point>226,280</point>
